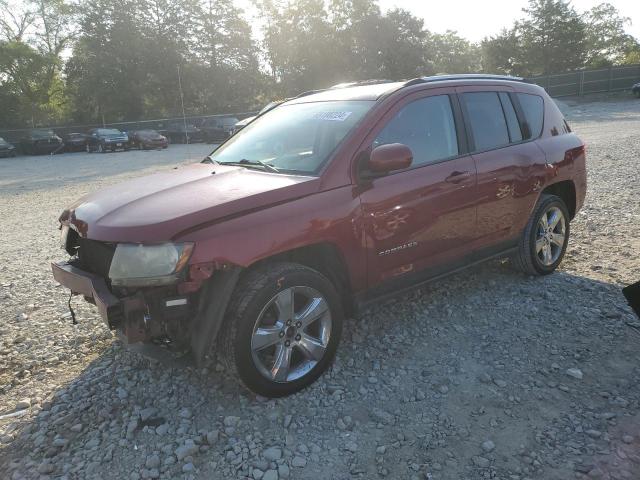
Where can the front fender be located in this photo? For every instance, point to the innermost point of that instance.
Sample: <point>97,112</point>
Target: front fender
<point>214,299</point>
<point>332,217</point>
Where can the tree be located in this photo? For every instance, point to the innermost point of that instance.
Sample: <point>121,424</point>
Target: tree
<point>228,73</point>
<point>453,54</point>
<point>106,74</point>
<point>552,38</point>
<point>607,43</point>
<point>15,21</point>
<point>302,48</point>
<point>502,53</point>
<point>402,49</point>
<point>549,39</point>
<point>25,83</point>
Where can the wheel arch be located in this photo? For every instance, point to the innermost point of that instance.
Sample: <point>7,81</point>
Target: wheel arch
<point>324,257</point>
<point>216,292</point>
<point>566,190</point>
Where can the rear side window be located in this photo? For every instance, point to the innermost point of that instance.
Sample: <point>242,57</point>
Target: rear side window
<point>487,120</point>
<point>515,134</point>
<point>533,109</point>
<point>427,127</point>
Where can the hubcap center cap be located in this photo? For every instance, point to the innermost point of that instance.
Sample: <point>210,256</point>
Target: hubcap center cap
<point>290,332</point>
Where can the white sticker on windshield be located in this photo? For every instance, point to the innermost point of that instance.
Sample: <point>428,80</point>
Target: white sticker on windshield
<point>332,116</point>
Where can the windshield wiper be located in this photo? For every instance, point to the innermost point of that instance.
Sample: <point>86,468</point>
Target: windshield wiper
<point>252,163</point>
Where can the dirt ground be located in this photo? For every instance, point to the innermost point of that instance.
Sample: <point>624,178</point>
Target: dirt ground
<point>486,374</point>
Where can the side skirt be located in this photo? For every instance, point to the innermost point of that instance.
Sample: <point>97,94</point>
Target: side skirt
<point>392,288</point>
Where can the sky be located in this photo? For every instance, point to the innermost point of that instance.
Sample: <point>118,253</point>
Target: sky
<point>476,19</point>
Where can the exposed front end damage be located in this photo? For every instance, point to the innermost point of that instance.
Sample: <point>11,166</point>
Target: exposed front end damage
<point>171,313</point>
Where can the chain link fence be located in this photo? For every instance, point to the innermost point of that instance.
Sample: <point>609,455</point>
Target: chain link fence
<point>582,82</point>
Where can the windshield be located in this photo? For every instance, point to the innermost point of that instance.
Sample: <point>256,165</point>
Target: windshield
<point>295,138</point>
<point>109,131</point>
<point>42,133</point>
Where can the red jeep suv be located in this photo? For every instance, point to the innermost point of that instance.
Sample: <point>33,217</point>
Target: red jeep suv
<point>331,200</point>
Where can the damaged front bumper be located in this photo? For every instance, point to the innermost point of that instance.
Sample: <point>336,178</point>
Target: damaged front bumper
<point>187,316</point>
<point>150,315</point>
<point>93,288</point>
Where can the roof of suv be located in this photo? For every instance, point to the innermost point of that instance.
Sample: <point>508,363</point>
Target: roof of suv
<point>374,90</point>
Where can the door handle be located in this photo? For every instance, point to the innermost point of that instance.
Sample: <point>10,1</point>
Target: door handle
<point>457,177</point>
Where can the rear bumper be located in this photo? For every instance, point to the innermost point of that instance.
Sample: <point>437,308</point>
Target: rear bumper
<point>91,287</point>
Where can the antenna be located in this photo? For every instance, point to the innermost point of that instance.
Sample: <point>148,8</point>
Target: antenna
<point>184,118</point>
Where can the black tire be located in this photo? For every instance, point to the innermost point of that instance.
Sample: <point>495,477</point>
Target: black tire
<point>527,258</point>
<point>252,294</point>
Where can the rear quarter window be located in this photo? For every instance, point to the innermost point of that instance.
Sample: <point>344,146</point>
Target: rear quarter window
<point>533,110</point>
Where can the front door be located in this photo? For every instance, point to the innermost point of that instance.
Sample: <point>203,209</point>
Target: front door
<point>425,215</point>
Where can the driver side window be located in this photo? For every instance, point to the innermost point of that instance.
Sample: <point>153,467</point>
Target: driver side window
<point>427,127</point>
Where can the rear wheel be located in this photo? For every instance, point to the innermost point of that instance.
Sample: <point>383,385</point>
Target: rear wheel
<point>545,238</point>
<point>282,328</point>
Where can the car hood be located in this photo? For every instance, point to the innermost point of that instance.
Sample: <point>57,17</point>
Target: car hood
<point>160,207</point>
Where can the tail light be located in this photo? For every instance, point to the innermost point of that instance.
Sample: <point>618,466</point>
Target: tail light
<point>573,153</point>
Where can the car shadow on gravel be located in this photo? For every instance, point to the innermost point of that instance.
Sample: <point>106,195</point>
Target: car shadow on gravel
<point>487,374</point>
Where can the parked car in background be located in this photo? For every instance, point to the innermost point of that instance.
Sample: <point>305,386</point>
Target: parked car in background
<point>217,129</point>
<point>40,141</point>
<point>75,142</point>
<point>6,149</point>
<point>242,123</point>
<point>178,132</point>
<point>326,203</point>
<point>106,139</point>
<point>147,139</point>
<point>636,89</point>
<point>246,121</point>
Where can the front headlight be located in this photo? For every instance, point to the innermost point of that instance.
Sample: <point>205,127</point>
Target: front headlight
<point>138,265</point>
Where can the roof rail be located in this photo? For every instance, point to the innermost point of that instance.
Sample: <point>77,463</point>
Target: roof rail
<point>462,76</point>
<point>357,83</point>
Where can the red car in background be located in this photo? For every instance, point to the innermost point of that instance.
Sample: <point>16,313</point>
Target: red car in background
<point>325,203</point>
<point>147,139</point>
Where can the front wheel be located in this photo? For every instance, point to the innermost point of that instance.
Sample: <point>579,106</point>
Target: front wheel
<point>545,238</point>
<point>282,328</point>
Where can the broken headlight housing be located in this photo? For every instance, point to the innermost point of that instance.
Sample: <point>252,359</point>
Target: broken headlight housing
<point>139,265</point>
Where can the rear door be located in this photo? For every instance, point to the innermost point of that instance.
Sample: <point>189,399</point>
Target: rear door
<point>424,215</point>
<point>508,164</point>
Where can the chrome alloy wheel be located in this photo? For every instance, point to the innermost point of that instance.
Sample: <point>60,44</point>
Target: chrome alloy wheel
<point>291,334</point>
<point>550,236</point>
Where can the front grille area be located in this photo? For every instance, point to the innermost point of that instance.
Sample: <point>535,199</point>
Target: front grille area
<point>96,256</point>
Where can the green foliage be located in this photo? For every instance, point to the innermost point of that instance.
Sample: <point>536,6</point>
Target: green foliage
<point>453,54</point>
<point>111,60</point>
<point>606,41</point>
<point>554,38</point>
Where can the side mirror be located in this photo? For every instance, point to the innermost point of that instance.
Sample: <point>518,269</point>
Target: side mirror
<point>388,158</point>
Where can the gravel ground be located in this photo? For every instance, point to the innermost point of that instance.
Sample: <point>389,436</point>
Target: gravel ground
<point>488,374</point>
